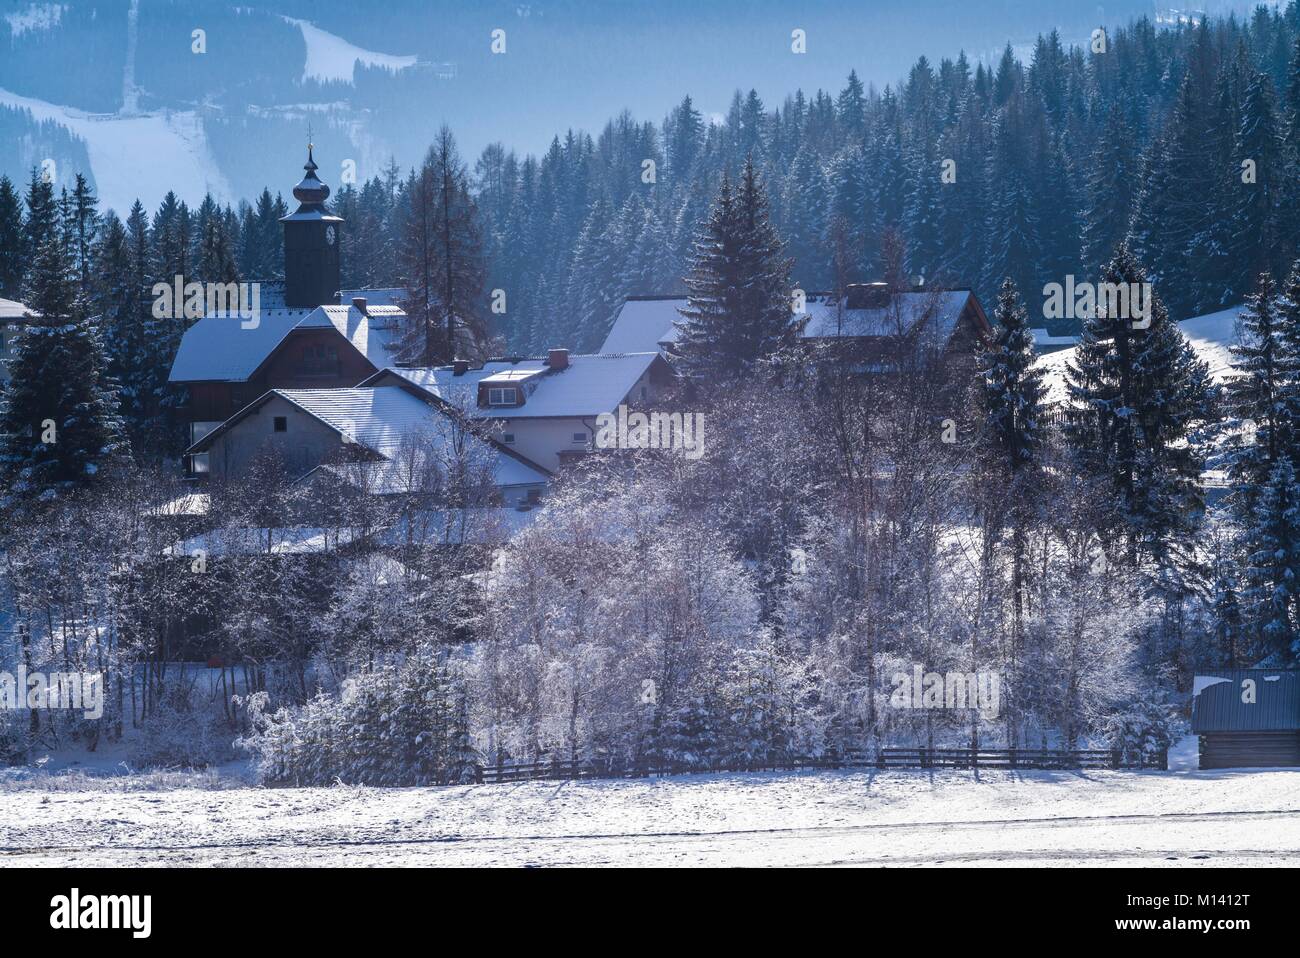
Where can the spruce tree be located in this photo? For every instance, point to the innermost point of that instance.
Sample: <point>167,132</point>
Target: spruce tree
<point>1011,389</point>
<point>1015,246</point>
<point>82,233</point>
<point>1258,393</point>
<point>59,426</point>
<point>738,308</point>
<point>1011,437</point>
<point>1109,194</point>
<point>42,214</point>
<point>1139,393</point>
<point>1256,227</point>
<point>1273,564</point>
<point>12,258</point>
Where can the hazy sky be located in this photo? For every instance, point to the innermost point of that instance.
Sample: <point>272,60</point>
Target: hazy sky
<point>572,63</point>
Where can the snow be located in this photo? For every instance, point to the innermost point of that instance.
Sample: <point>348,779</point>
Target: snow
<point>12,310</point>
<point>220,349</point>
<point>643,325</point>
<point>1211,337</point>
<point>591,385</point>
<point>1043,340</point>
<point>1202,682</point>
<point>137,156</point>
<point>647,324</point>
<point>862,817</point>
<point>330,57</point>
<point>36,16</point>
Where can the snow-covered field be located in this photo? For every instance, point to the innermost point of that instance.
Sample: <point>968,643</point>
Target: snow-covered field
<point>898,818</point>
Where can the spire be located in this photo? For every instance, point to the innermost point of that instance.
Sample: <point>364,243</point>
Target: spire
<point>311,192</point>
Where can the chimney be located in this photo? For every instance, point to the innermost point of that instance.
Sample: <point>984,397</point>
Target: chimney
<point>459,367</point>
<point>866,296</point>
<point>558,359</point>
<point>360,303</point>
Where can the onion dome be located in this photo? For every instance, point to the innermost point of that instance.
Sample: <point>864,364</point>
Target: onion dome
<point>311,192</point>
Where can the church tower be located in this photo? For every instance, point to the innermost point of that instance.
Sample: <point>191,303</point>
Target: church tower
<point>311,245</point>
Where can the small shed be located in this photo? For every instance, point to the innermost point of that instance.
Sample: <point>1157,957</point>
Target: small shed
<point>1247,718</point>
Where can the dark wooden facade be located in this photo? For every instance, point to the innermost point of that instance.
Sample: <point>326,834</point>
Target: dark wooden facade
<point>315,358</point>
<point>1250,749</point>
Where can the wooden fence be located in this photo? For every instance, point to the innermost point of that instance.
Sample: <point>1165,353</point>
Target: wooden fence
<point>882,758</point>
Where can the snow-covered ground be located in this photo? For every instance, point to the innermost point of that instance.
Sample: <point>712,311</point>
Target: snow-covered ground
<point>330,57</point>
<point>138,156</point>
<point>901,818</point>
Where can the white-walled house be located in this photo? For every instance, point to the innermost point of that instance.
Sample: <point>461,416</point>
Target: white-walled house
<point>544,409</point>
<point>362,436</point>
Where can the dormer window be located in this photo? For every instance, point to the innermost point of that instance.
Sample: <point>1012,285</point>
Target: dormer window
<point>503,396</point>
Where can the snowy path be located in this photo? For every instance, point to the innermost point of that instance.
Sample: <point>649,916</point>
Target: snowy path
<point>894,818</point>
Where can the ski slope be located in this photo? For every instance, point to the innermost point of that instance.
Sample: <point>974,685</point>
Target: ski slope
<point>140,156</point>
<point>330,57</point>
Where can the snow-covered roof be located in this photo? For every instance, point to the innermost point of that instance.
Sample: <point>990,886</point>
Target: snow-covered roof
<point>940,309</point>
<point>644,325</point>
<point>221,348</point>
<point>382,419</point>
<point>379,419</point>
<point>385,296</point>
<point>647,323</point>
<point>12,309</point>
<point>588,386</point>
<point>1045,342</point>
<point>1211,337</point>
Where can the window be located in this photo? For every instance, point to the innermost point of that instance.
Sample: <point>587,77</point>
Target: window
<point>644,392</point>
<point>508,437</point>
<point>579,437</point>
<point>503,396</point>
<point>319,359</point>
<point>281,423</point>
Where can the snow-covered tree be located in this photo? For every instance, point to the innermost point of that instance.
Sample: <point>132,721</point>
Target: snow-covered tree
<point>739,309</point>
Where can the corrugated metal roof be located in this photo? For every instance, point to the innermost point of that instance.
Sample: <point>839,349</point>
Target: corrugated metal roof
<point>1217,704</point>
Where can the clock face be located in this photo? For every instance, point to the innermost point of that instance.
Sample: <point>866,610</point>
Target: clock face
<point>329,235</point>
